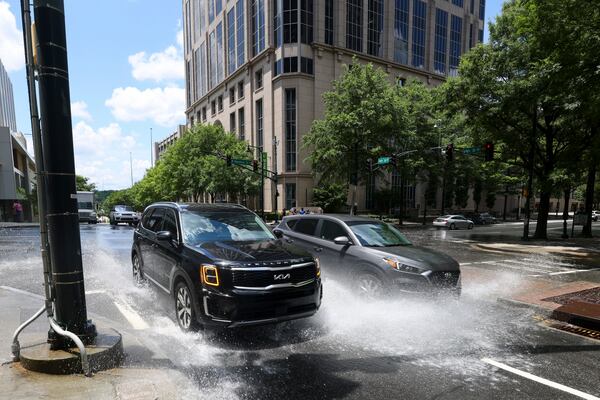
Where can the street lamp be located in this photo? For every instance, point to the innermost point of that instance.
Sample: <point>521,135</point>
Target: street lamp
<point>262,176</point>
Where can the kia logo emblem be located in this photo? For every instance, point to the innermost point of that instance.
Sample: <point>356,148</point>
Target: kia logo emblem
<point>281,277</point>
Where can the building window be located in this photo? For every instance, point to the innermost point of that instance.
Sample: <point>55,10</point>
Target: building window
<point>306,21</point>
<point>258,79</point>
<point>329,22</point>
<point>290,64</point>
<point>231,95</point>
<point>459,3</point>
<point>231,59</point>
<point>472,7</point>
<point>441,38</point>
<point>290,21</point>
<point>290,130</point>
<point>211,11</point>
<point>200,67</point>
<point>213,108</point>
<point>240,90</point>
<point>354,24</point>
<point>480,36</point>
<point>277,16</point>
<point>232,122</point>
<point>290,196</point>
<point>401,32</point>
<point>218,7</point>
<point>400,81</point>
<point>277,67</point>
<point>204,114</point>
<point>220,103</point>
<point>455,44</point>
<point>188,83</point>
<point>375,29</point>
<point>259,123</point>
<point>470,36</point>
<point>419,29</point>
<point>307,65</point>
<point>482,10</point>
<point>258,26</point>
<point>241,47</point>
<point>242,124</point>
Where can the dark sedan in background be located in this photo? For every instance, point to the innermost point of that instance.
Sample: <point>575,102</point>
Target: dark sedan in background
<point>370,255</point>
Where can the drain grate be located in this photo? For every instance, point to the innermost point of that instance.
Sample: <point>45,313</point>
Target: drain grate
<point>577,330</point>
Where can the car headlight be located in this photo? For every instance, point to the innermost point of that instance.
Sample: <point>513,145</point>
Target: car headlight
<point>398,266</point>
<point>209,275</point>
<point>93,214</point>
<point>318,267</point>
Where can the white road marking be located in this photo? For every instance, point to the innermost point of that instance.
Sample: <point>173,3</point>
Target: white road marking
<point>518,268</point>
<point>532,263</point>
<point>468,263</point>
<point>15,290</point>
<point>134,318</point>
<point>95,291</point>
<point>543,381</point>
<point>574,271</point>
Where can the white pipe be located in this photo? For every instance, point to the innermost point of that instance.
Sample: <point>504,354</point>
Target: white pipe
<point>16,348</point>
<point>84,360</point>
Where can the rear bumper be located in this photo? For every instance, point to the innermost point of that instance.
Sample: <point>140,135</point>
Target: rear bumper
<point>238,308</point>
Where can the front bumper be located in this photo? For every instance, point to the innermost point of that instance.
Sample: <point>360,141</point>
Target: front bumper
<point>429,282</point>
<point>440,224</point>
<point>126,218</point>
<point>238,308</point>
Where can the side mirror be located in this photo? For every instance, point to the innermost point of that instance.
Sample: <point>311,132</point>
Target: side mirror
<point>164,235</point>
<point>342,241</point>
<point>278,233</point>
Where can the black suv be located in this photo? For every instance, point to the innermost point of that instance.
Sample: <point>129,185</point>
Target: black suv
<point>223,266</point>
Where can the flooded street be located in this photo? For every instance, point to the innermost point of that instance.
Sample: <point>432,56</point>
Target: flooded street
<point>398,347</point>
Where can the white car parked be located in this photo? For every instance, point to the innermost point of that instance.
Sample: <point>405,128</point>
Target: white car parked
<point>453,222</point>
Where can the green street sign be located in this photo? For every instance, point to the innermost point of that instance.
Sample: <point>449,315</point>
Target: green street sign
<point>384,160</point>
<point>241,162</point>
<point>472,150</point>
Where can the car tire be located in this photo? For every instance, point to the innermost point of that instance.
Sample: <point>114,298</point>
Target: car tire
<point>112,222</point>
<point>137,269</point>
<point>452,227</point>
<point>369,286</point>
<point>184,308</point>
<point>470,226</point>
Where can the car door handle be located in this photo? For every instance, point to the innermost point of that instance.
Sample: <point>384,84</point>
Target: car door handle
<point>318,249</point>
<point>289,240</point>
<point>154,245</point>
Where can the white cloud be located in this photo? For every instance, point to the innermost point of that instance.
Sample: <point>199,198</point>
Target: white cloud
<point>11,40</point>
<point>79,110</point>
<point>180,38</point>
<point>97,143</point>
<point>163,106</point>
<point>164,66</point>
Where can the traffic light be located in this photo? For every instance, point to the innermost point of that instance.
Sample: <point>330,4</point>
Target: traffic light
<point>489,151</point>
<point>255,165</point>
<point>450,152</point>
<point>228,161</point>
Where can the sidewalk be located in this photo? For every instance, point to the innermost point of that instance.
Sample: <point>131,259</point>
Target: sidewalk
<point>132,381</point>
<point>13,225</point>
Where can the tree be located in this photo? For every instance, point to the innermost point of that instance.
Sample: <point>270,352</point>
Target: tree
<point>363,120</point>
<point>330,197</point>
<point>84,185</point>
<point>514,90</point>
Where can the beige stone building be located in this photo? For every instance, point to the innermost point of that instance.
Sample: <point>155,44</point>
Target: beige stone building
<point>260,67</point>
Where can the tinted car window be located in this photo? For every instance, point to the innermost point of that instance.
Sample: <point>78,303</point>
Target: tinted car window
<point>377,234</point>
<point>291,223</point>
<point>199,227</point>
<point>330,230</point>
<point>306,226</point>
<point>170,223</point>
<point>155,220</point>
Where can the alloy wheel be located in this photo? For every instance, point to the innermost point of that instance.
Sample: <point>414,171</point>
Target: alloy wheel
<point>137,271</point>
<point>183,306</point>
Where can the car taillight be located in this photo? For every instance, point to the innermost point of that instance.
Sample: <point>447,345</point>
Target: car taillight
<point>210,275</point>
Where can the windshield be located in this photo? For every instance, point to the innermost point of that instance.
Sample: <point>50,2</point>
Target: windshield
<point>85,205</point>
<point>123,208</point>
<point>199,227</point>
<point>377,234</point>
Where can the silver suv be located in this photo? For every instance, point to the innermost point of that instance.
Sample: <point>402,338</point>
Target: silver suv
<point>126,214</point>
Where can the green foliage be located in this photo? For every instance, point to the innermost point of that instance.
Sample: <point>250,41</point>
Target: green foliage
<point>330,197</point>
<point>194,165</point>
<point>84,185</point>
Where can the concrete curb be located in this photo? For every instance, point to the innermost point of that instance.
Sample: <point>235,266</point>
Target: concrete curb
<point>522,304</point>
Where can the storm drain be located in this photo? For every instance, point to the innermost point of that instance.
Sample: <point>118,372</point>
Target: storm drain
<point>590,333</point>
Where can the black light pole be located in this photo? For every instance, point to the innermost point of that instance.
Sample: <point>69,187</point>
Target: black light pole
<point>59,165</point>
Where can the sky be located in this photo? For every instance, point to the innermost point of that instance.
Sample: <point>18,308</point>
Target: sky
<point>126,79</point>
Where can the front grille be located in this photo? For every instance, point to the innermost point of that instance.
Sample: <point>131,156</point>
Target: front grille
<point>444,279</point>
<point>263,278</point>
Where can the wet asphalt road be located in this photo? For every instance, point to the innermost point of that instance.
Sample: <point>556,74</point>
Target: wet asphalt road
<point>406,348</point>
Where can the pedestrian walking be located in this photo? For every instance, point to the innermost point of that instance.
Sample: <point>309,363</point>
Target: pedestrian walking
<point>18,211</point>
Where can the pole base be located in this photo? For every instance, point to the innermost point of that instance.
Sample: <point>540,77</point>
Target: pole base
<point>105,352</point>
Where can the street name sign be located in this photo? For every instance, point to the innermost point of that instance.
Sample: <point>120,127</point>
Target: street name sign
<point>241,162</point>
<point>472,150</point>
<point>384,160</point>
